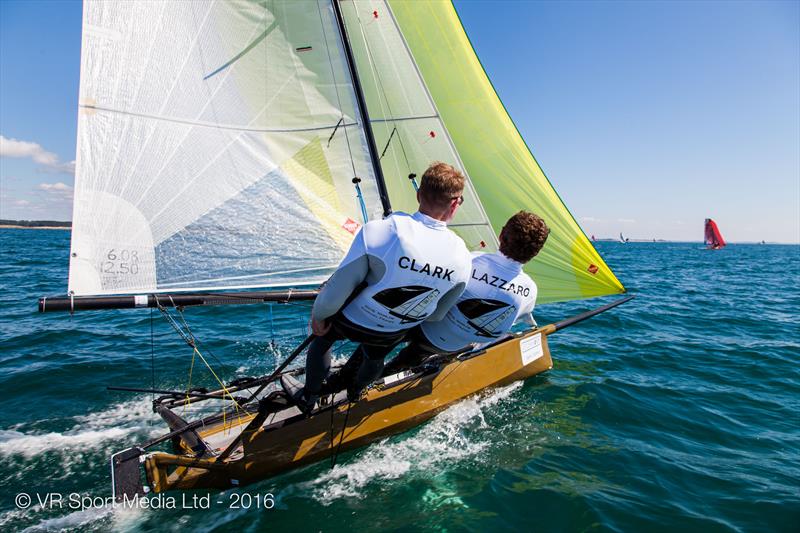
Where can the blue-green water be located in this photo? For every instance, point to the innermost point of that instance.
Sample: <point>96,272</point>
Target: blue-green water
<point>680,409</point>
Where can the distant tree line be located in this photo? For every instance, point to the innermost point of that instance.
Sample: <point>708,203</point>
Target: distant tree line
<point>36,223</point>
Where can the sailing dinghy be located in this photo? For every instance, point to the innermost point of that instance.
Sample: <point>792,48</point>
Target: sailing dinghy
<point>713,238</point>
<point>227,153</point>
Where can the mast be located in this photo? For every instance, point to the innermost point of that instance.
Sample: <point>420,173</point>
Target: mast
<point>362,108</point>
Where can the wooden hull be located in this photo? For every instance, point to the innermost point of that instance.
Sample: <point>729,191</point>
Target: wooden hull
<point>385,410</point>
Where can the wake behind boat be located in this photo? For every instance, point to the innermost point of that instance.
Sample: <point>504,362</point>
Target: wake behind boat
<point>236,146</point>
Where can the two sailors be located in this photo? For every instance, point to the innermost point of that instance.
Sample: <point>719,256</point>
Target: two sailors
<point>409,278</point>
<point>398,272</point>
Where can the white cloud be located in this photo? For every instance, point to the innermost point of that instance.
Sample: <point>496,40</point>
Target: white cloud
<point>21,203</point>
<point>23,149</point>
<point>56,191</point>
<point>55,187</point>
<point>66,168</point>
<point>590,219</point>
<point>626,220</point>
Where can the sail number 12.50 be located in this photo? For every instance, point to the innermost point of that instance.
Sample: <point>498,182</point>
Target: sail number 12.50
<point>120,261</point>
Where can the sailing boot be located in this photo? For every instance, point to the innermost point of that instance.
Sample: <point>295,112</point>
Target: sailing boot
<point>297,394</point>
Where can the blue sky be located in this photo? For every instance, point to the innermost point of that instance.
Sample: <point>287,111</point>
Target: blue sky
<point>647,117</point>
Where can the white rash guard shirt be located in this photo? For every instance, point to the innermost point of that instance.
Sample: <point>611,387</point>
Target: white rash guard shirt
<point>498,294</point>
<point>415,269</point>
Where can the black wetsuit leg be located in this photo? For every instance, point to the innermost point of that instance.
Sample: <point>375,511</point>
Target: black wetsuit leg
<point>412,355</point>
<point>371,367</point>
<point>409,357</point>
<point>345,375</point>
<point>318,361</point>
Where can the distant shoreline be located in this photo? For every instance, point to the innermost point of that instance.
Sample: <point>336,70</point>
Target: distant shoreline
<point>35,224</point>
<point>12,226</point>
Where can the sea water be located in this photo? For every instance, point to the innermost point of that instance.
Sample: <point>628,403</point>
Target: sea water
<point>678,410</point>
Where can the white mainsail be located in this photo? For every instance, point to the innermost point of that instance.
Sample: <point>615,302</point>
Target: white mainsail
<point>217,141</point>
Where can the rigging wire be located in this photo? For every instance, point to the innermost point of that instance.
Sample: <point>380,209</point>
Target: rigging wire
<point>189,382</point>
<point>336,88</point>
<point>190,339</point>
<point>152,358</point>
<point>194,339</point>
<point>335,455</point>
<point>271,328</point>
<point>376,74</point>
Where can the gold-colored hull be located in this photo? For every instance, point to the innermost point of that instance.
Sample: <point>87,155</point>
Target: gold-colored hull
<point>385,410</point>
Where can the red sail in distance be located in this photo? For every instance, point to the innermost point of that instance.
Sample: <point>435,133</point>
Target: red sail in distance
<point>713,238</point>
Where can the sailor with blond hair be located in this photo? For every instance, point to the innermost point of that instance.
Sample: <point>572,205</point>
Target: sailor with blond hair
<point>399,272</point>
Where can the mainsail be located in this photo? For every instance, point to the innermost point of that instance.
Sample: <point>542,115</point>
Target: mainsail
<point>713,238</point>
<point>218,142</point>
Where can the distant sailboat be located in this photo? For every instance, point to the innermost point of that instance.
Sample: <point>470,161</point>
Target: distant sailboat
<point>622,239</point>
<point>713,237</point>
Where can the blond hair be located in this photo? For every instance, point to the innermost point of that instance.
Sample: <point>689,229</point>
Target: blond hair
<point>440,184</point>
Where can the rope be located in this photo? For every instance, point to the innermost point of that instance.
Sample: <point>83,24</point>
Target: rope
<point>152,357</point>
<point>189,384</point>
<point>331,439</point>
<point>271,328</point>
<point>191,334</point>
<point>335,456</point>
<point>190,339</point>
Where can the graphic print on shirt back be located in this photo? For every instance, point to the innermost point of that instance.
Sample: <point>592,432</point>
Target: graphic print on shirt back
<point>407,303</point>
<point>486,316</point>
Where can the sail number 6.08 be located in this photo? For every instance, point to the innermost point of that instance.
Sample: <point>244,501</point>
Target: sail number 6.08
<point>120,261</point>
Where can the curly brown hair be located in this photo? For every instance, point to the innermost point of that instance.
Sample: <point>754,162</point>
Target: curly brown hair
<point>523,236</point>
<point>440,184</point>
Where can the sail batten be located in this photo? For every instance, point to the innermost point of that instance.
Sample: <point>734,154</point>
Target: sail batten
<point>217,125</point>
